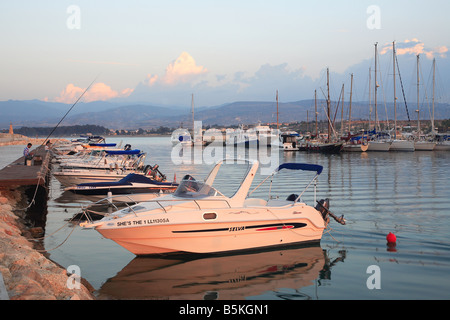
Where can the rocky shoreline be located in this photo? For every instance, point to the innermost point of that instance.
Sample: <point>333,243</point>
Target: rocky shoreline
<point>27,273</point>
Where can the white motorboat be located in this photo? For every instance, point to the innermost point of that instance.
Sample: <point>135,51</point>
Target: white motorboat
<point>290,141</point>
<point>133,188</point>
<point>181,136</point>
<point>241,137</point>
<point>198,218</point>
<point>107,160</point>
<point>267,136</point>
<point>70,177</point>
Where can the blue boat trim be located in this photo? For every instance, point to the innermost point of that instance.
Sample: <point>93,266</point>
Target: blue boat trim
<point>119,152</point>
<point>127,181</point>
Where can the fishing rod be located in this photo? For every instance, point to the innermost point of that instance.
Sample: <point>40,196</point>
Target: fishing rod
<point>46,139</point>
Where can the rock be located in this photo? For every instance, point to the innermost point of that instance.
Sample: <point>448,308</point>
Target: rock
<point>36,232</point>
<point>28,274</point>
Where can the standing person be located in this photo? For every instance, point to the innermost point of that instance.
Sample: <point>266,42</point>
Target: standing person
<point>48,145</point>
<point>27,153</point>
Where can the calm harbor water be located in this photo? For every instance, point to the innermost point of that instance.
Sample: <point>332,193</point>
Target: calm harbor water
<point>403,193</point>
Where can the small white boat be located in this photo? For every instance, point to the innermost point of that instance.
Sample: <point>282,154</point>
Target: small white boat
<point>290,141</point>
<point>181,136</point>
<point>109,159</point>
<point>242,138</point>
<point>70,177</point>
<point>198,218</point>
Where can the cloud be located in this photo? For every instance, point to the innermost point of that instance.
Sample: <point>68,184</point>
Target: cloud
<point>415,47</point>
<point>98,91</point>
<point>184,69</point>
<point>184,77</point>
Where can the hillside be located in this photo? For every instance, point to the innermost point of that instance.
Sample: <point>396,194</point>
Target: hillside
<point>36,113</point>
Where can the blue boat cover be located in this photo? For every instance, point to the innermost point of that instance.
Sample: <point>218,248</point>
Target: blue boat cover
<point>103,144</point>
<point>126,181</point>
<point>301,166</point>
<point>117,152</point>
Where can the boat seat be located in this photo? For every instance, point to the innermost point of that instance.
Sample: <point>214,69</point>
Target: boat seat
<point>254,202</point>
<point>279,203</point>
<point>292,197</point>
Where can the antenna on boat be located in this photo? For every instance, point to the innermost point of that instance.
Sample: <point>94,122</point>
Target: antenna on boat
<point>69,110</point>
<point>278,126</point>
<point>192,111</point>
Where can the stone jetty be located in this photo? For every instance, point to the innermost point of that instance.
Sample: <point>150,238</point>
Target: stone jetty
<point>27,274</point>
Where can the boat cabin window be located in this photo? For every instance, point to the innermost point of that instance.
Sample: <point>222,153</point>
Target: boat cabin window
<point>191,188</point>
<point>135,209</point>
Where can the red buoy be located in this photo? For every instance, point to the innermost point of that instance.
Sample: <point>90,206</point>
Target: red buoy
<point>391,238</point>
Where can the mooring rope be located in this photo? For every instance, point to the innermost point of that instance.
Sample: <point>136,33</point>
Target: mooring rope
<point>73,229</point>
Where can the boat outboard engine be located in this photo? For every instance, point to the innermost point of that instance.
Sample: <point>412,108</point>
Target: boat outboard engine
<point>322,206</point>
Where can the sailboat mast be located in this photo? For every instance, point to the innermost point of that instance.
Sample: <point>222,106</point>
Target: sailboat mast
<point>418,108</point>
<point>350,105</point>
<point>328,105</point>
<point>376,87</point>
<point>315,111</point>
<point>432,114</point>
<point>370,95</point>
<point>395,97</point>
<point>192,111</point>
<point>342,112</point>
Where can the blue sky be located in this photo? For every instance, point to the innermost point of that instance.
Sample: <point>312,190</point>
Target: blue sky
<point>222,51</point>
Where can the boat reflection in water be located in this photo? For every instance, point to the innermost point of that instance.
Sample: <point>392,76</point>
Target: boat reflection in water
<point>229,277</point>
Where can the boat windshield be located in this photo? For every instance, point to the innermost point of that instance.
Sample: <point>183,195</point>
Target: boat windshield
<point>191,188</point>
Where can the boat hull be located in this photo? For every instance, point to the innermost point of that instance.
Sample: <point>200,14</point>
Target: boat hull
<point>322,147</point>
<point>73,179</point>
<point>382,146</point>
<point>442,147</point>
<point>402,145</point>
<point>424,146</point>
<point>124,194</point>
<point>355,147</point>
<point>160,233</point>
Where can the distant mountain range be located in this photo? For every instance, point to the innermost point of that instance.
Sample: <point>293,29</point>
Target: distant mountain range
<point>140,115</point>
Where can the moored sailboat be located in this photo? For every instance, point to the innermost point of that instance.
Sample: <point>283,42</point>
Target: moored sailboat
<point>376,143</point>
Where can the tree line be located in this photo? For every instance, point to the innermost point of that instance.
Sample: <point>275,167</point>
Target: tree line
<point>63,130</point>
